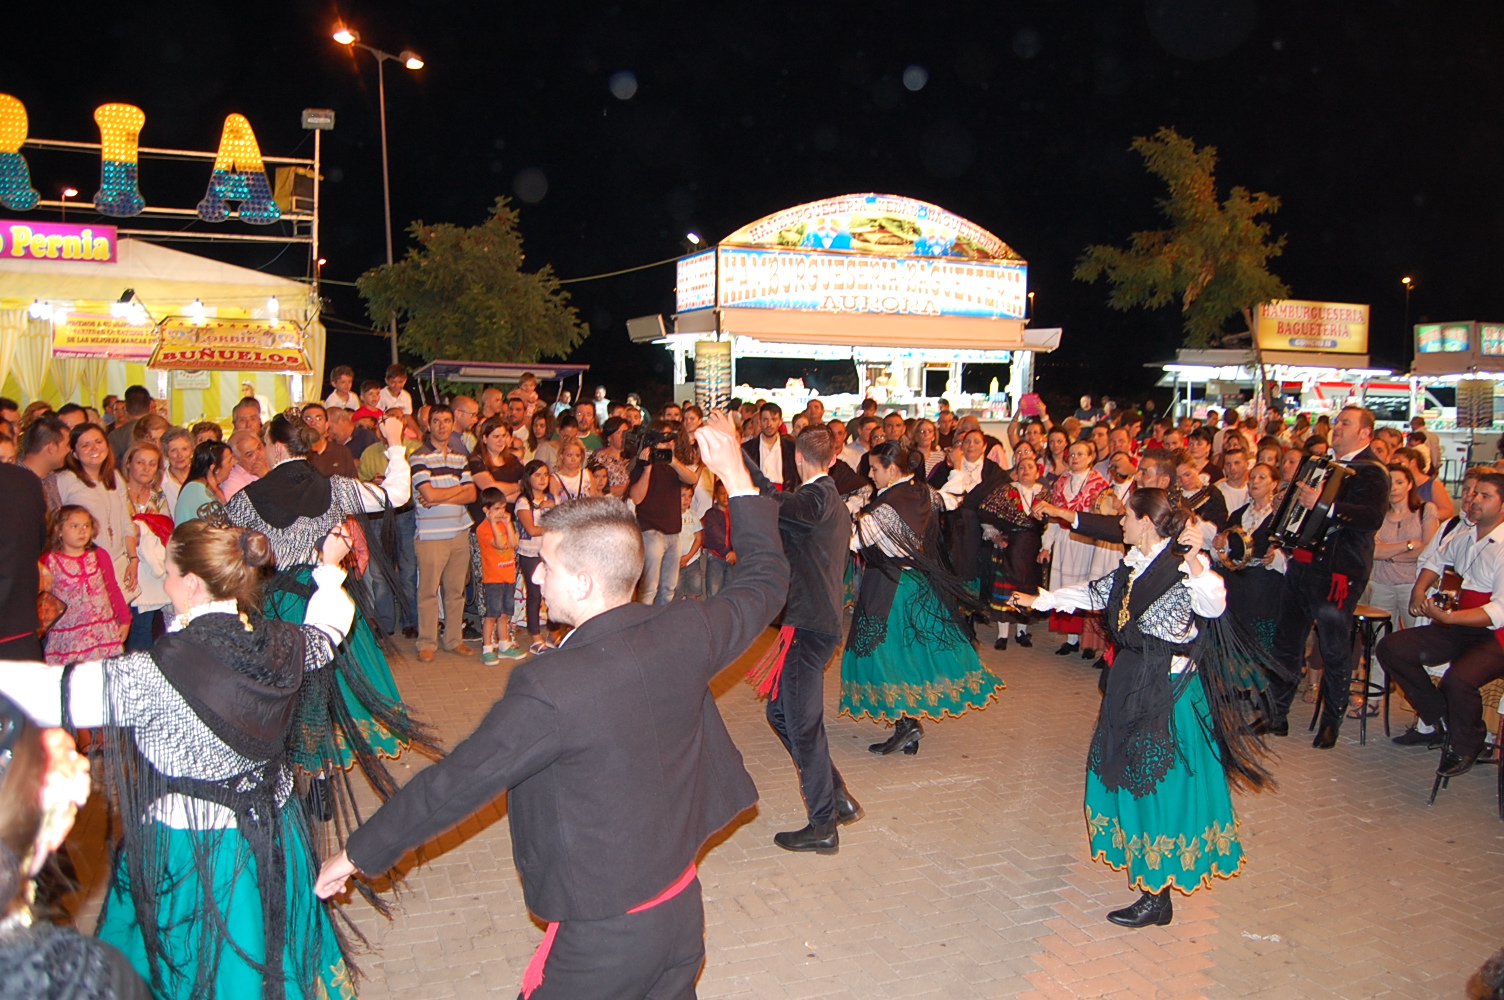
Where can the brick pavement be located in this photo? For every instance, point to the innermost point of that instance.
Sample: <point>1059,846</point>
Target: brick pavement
<point>969,876</point>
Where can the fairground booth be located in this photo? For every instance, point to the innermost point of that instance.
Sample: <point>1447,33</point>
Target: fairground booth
<point>1456,378</point>
<point>1315,354</point>
<point>90,304</point>
<point>902,290</point>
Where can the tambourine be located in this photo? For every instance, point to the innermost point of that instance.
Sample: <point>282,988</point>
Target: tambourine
<point>1108,502</point>
<point>1234,547</point>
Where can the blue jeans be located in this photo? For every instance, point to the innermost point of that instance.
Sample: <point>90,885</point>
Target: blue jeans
<point>692,579</point>
<point>660,567</point>
<point>717,573</point>
<point>140,636</point>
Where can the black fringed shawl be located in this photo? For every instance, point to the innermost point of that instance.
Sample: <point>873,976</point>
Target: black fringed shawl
<point>908,516</point>
<point>1134,744</point>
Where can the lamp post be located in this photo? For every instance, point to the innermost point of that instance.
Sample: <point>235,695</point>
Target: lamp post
<point>1409,287</point>
<point>68,192</point>
<point>351,38</point>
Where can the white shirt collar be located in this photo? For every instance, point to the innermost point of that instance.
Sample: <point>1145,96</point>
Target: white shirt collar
<point>896,482</point>
<point>179,622</point>
<point>1350,455</point>
<point>1136,557</point>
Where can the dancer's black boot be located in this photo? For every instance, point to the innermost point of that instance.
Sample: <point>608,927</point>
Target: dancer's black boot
<point>906,733</point>
<point>1152,909</point>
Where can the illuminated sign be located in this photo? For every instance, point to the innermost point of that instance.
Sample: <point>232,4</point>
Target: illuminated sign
<point>81,335</point>
<point>858,283</point>
<point>239,173</point>
<point>695,288</point>
<point>1491,339</point>
<point>230,345</point>
<point>1294,325</point>
<point>1443,338</point>
<point>882,224</point>
<point>57,241</point>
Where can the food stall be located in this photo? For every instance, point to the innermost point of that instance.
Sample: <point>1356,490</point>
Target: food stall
<point>191,329</point>
<point>1456,377</point>
<point>905,291</point>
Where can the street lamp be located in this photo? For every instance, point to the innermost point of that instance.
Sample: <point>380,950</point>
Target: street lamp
<point>1409,287</point>
<point>351,38</point>
<point>68,192</point>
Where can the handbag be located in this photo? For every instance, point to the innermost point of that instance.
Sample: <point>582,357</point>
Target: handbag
<point>50,608</point>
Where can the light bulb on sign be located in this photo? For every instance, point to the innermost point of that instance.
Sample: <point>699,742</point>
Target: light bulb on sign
<point>195,311</point>
<point>39,310</point>
<point>273,307</point>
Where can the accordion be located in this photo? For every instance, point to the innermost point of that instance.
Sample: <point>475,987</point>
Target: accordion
<point>1297,526</point>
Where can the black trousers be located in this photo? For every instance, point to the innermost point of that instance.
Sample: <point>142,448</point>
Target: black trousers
<point>652,955</point>
<point>1475,657</point>
<point>1305,602</point>
<point>797,715</point>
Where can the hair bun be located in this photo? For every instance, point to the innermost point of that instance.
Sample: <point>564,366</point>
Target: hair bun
<point>256,548</point>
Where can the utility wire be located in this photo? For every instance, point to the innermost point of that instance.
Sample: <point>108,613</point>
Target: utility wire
<point>562,281</point>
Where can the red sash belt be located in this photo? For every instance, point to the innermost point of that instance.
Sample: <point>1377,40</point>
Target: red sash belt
<point>1302,555</point>
<point>767,672</point>
<point>1467,600</point>
<point>533,977</point>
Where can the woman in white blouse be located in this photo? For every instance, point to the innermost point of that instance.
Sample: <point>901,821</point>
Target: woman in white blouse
<point>88,478</point>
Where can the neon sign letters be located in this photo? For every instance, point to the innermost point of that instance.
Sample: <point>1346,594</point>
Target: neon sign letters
<point>239,174</point>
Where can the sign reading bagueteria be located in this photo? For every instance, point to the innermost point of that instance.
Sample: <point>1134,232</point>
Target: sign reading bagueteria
<point>231,345</point>
<point>1296,325</point>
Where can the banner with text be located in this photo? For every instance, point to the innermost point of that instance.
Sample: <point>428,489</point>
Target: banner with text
<point>1295,325</point>
<point>231,345</point>
<point>82,335</point>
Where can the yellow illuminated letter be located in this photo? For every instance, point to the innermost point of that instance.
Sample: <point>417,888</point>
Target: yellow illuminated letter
<point>16,191</point>
<point>119,193</point>
<point>239,176</point>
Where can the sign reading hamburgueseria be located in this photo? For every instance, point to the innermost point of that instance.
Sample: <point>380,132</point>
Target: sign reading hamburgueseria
<point>1295,325</point>
<point>56,241</point>
<point>231,345</point>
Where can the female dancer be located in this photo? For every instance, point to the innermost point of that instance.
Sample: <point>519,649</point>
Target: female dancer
<point>211,894</point>
<point>1253,592</point>
<point>295,505</point>
<point>909,653</point>
<point>1171,734</point>
<point>1057,461</point>
<point>1073,557</point>
<point>1008,521</point>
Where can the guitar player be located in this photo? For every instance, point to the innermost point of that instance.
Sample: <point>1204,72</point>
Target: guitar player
<point>1322,587</point>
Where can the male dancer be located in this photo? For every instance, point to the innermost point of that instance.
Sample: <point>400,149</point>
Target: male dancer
<point>1324,586</point>
<point>816,531</point>
<point>615,760</point>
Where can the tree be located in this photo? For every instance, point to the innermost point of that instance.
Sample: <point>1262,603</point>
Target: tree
<point>1212,260</point>
<point>463,295</point>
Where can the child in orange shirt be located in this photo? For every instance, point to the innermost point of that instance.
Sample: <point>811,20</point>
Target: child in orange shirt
<point>497,538</point>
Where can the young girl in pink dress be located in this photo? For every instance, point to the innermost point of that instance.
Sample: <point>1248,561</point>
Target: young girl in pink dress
<point>97,619</point>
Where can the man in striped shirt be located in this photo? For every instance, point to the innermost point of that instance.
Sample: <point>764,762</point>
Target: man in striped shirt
<point>442,486</point>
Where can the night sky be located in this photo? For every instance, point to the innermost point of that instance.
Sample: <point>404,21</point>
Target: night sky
<point>1378,123</point>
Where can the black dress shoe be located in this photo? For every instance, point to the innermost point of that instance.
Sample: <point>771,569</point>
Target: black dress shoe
<point>1263,727</point>
<point>848,809</point>
<point>411,631</point>
<point>1088,654</point>
<point>1326,737</point>
<point>906,733</point>
<point>1413,737</point>
<point>1025,640</point>
<point>820,839</point>
<point>1001,642</point>
<point>1453,764</point>
<point>1153,909</point>
<point>1066,649</point>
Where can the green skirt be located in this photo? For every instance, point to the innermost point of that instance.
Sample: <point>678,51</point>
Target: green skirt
<point>928,675</point>
<point>312,962</point>
<point>362,648</point>
<point>1182,834</point>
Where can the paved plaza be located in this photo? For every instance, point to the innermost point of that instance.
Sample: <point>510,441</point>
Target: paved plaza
<point>969,876</point>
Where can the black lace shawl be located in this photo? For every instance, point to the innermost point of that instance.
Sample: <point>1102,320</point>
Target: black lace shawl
<point>1135,745</point>
<point>908,516</point>
<point>241,680</point>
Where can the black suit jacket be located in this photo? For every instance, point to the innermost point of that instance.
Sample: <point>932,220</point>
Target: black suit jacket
<point>20,547</point>
<point>1102,527</point>
<point>1357,517</point>
<point>615,758</point>
<point>816,530</point>
<point>752,449</point>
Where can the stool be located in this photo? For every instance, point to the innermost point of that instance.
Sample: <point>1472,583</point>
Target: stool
<point>1370,624</point>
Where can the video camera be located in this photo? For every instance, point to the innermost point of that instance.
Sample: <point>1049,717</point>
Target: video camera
<point>643,436</point>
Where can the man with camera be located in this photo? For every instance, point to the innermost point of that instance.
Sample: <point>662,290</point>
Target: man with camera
<point>654,488</point>
<point>615,760</point>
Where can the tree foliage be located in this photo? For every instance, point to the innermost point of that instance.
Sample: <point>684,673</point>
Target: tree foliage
<point>1212,260</point>
<point>462,294</point>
